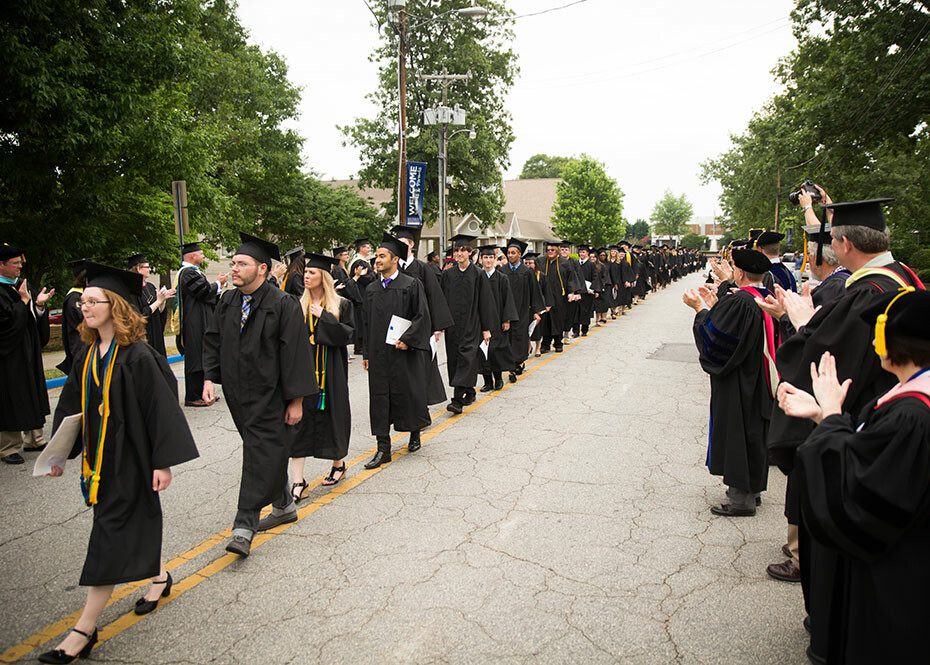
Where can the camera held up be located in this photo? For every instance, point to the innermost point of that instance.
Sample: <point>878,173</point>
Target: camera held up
<point>807,186</point>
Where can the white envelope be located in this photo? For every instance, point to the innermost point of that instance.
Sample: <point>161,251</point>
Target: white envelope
<point>396,328</point>
<point>57,451</point>
<point>433,345</point>
<point>532,326</point>
<point>484,349</point>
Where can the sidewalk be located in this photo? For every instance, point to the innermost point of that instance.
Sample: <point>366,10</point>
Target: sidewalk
<point>564,519</point>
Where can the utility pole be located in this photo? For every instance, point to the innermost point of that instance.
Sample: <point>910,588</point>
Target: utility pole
<point>777,193</point>
<point>442,116</point>
<point>402,113</point>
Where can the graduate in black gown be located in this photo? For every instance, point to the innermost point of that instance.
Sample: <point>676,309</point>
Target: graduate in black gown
<point>326,425</point>
<point>439,313</point>
<point>573,314</point>
<point>625,275</point>
<point>531,261</point>
<point>470,301</point>
<point>292,281</point>
<point>397,373</point>
<point>133,432</point>
<point>24,330</point>
<point>528,301</point>
<point>361,269</point>
<point>257,348</point>
<point>589,275</point>
<point>836,327</point>
<point>71,317</point>
<point>563,286</point>
<point>865,481</point>
<point>151,304</point>
<point>197,299</point>
<point>737,342</point>
<point>346,287</point>
<point>499,358</point>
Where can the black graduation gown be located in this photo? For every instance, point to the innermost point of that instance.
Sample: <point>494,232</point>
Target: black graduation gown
<point>261,369</point>
<point>146,430</point>
<point>361,285</point>
<point>729,337</point>
<point>605,298</point>
<point>197,299</point>
<point>397,380</point>
<point>624,273</point>
<point>831,288</point>
<point>293,283</point>
<point>325,434</point>
<point>154,321</point>
<point>24,398</point>
<point>349,289</point>
<point>561,280</point>
<point>528,300</point>
<point>866,497</point>
<point>440,317</point>
<point>784,277</point>
<point>588,273</point>
<point>71,318</point>
<point>548,301</point>
<point>499,357</point>
<point>468,294</point>
<point>573,317</point>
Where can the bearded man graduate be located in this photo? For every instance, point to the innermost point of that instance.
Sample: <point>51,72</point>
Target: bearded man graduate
<point>472,306</point>
<point>257,348</point>
<point>563,285</point>
<point>397,370</point>
<point>737,343</point>
<point>528,301</point>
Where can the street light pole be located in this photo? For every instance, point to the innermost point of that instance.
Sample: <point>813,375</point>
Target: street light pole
<point>402,114</point>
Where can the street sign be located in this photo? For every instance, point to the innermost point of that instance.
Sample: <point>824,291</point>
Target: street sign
<point>416,171</point>
<point>179,197</point>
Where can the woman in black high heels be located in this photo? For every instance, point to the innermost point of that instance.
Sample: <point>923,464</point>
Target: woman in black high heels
<point>132,432</point>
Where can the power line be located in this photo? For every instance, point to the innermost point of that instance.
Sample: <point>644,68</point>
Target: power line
<point>546,11</point>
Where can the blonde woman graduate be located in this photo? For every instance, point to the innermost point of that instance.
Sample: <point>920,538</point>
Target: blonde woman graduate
<point>132,432</point>
<point>327,423</point>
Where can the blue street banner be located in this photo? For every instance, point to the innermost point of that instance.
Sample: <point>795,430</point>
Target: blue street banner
<point>789,235</point>
<point>416,172</point>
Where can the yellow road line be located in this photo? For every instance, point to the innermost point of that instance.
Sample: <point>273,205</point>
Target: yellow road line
<point>181,586</point>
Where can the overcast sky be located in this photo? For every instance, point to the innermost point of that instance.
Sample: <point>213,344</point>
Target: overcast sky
<point>651,89</point>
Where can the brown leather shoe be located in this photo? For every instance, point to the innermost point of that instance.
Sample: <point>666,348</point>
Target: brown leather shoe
<point>196,402</point>
<point>786,572</point>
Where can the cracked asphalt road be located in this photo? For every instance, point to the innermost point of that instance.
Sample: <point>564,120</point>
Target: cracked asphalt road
<point>565,520</point>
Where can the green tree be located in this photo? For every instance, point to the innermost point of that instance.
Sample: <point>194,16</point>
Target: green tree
<point>589,204</point>
<point>671,215</point>
<point>692,240</point>
<point>853,117</point>
<point>636,230</point>
<point>444,41</point>
<point>544,166</point>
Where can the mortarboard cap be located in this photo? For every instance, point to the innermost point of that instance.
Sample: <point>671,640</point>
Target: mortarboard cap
<point>259,249</point>
<point>487,250</point>
<point>769,238</point>
<point>189,247</point>
<point>131,262</point>
<point>394,246</point>
<point>531,255</point>
<point>291,254</point>
<point>902,315</point>
<point>752,261</point>
<point>319,261</point>
<point>409,232</point>
<point>339,250</point>
<point>81,264</point>
<point>565,243</point>
<point>859,213</point>
<point>519,244</point>
<point>462,240</point>
<point>430,256</point>
<point>121,282</point>
<point>8,252</point>
<point>622,243</point>
<point>448,253</point>
<point>818,233</point>
<point>360,242</point>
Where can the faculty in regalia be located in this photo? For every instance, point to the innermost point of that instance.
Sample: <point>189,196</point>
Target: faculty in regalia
<point>563,285</point>
<point>133,431</point>
<point>498,359</point>
<point>151,304</point>
<point>397,370</point>
<point>24,330</point>
<point>527,300</point>
<point>865,481</point>
<point>737,341</point>
<point>326,425</point>
<point>470,301</point>
<point>197,299</point>
<point>769,243</point>
<point>257,348</point>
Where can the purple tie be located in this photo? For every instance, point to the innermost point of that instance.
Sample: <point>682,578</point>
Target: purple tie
<point>385,282</point>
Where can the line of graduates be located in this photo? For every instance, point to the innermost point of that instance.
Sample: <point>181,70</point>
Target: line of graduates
<point>832,386</point>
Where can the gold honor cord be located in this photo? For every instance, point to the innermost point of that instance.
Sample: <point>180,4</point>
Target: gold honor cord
<point>881,347</point>
<point>320,350</point>
<point>284,281</point>
<point>557,272</point>
<point>90,478</point>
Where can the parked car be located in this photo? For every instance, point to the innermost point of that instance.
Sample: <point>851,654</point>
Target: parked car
<point>54,316</point>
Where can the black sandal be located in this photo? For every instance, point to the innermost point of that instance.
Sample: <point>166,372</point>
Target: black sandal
<point>331,479</point>
<point>299,496</point>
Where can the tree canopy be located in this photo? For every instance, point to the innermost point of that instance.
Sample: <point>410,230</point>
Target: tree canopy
<point>544,166</point>
<point>438,40</point>
<point>671,215</point>
<point>104,104</point>
<point>589,204</point>
<point>636,230</point>
<point>853,117</point>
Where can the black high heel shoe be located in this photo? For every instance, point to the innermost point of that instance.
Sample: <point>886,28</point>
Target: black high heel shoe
<point>60,656</point>
<point>144,606</point>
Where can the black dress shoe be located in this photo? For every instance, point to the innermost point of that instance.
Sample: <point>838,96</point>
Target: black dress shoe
<point>454,407</point>
<point>558,349</point>
<point>34,449</point>
<point>469,398</point>
<point>60,657</point>
<point>487,387</point>
<point>512,377</point>
<point>379,459</point>
<point>144,606</point>
<point>498,383</point>
<point>239,545</point>
<point>814,658</point>
<point>13,458</point>
<point>272,520</point>
<point>728,510</point>
<point>414,444</point>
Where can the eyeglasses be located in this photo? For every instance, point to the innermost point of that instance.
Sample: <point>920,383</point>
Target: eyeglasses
<point>80,304</point>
